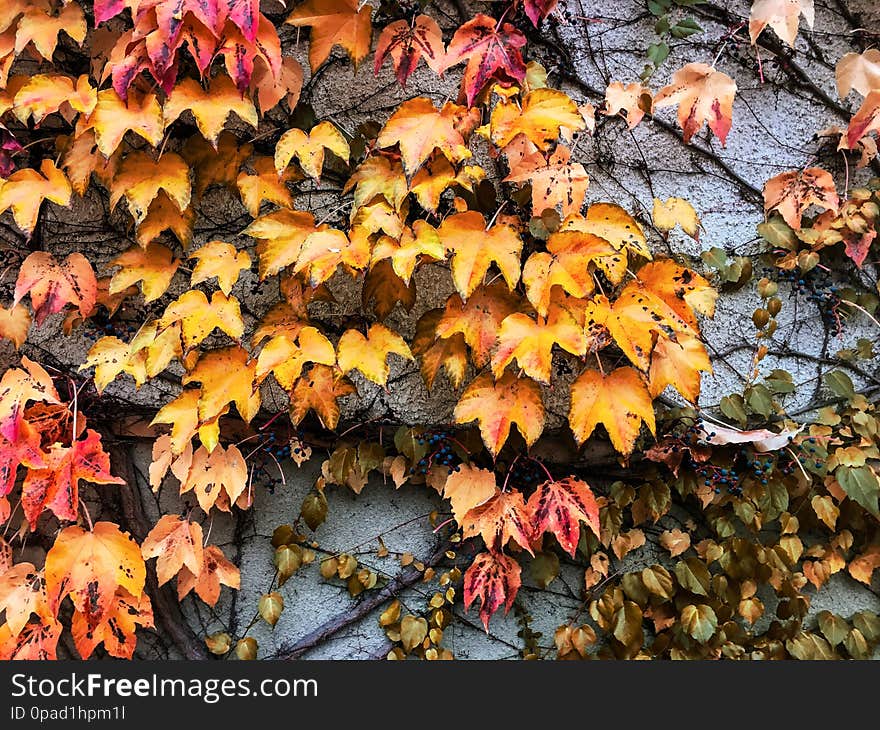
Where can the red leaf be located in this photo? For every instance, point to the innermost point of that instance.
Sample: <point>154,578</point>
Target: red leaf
<point>537,10</point>
<point>495,579</point>
<point>560,506</point>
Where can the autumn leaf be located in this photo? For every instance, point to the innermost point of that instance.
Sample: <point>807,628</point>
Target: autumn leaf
<point>537,10</point>
<point>227,376</point>
<point>559,507</point>
<point>761,440</point>
<point>19,386</point>
<point>113,117</point>
<point>494,578</point>
<point>498,519</point>
<point>437,176</point>
<point>319,391</point>
<point>326,249</point>
<point>25,450</point>
<point>182,412</point>
<point>475,247</point>
<point>436,352</point>
<point>309,148</point>
<point>215,472</point>
<point>499,405</point>
<point>39,27</point>
<point>177,543</point>
<point>683,290</point>
<point>23,593</point>
<point>792,193</point>
<point>45,94</point>
<point>216,569</point>
<point>420,243</point>
<point>281,235</point>
<point>221,260</point>
<point>703,95</point>
<point>407,42</point>
<point>676,212</point>
<point>334,23</point>
<point>15,322</point>
<point>154,267</point>
<point>864,121</point>
<point>377,177</point>
<point>557,182</point>
<point>265,185</point>
<point>369,354</point>
<point>210,107</point>
<point>491,50</point>
<point>140,178</point>
<point>631,102</point>
<point>37,642</point>
<point>615,225</point>
<point>781,15</point>
<point>117,629</point>
<point>199,317</point>
<point>89,566</point>
<point>530,342</point>
<point>468,488</point>
<point>384,290</point>
<point>53,285</point>
<point>24,191</point>
<point>620,401</point>
<point>56,487</point>
<point>540,118</point>
<point>859,72</point>
<point>285,357</point>
<point>678,364</point>
<point>419,128</point>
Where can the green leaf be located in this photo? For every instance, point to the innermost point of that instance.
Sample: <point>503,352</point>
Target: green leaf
<point>778,233</point>
<point>780,381</point>
<point>680,30</point>
<point>832,627</point>
<point>658,7</point>
<point>840,384</point>
<point>715,257</point>
<point>699,621</point>
<point>733,406</point>
<point>861,485</point>
<point>759,400</point>
<point>662,25</point>
<point>658,53</point>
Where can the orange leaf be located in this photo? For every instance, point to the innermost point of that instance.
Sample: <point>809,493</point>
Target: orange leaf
<point>113,117</point>
<point>540,118</point>
<point>25,190</point>
<point>140,178</point>
<point>18,387</point>
<point>416,244</point>
<point>407,42</point>
<point>858,71</point>
<point>15,323</point>
<point>210,108</point>
<point>281,236</point>
<point>319,391</point>
<point>176,543</point>
<point>703,95</point>
<point>630,101</point>
<point>497,406</point>
<point>678,364</point>
<point>117,629</point>
<point>620,401</point>
<point>44,94</point>
<point>153,266</point>
<point>198,317</point>
<point>468,488</point>
<point>22,593</point>
<point>264,184</point>
<point>215,570</point>
<point>494,578</point>
<point>309,148</point>
<point>326,248</point>
<point>37,642</point>
<point>781,15</point>
<point>285,357</point>
<point>615,225</point>
<point>90,566</point>
<point>53,285</point>
<point>791,193</point>
<point>384,289</point>
<point>683,290</point>
<point>498,519</point>
<point>226,376</point>
<point>334,23</point>
<point>211,473</point>
<point>436,352</point>
<point>556,182</point>
<point>864,121</point>
<point>560,506</point>
<point>370,354</point>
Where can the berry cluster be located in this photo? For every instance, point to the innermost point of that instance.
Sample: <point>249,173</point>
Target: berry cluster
<point>817,286</point>
<point>440,445</point>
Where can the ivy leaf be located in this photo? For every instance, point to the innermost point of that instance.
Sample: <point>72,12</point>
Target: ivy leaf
<point>210,107</point>
<point>703,95</point>
<point>498,519</point>
<point>15,323</point>
<point>369,354</point>
<point>334,22</point>
<point>117,629</point>
<point>499,405</point>
<point>140,178</point>
<point>198,316</point>
<point>556,182</point>
<point>791,193</point>
<point>467,489</point>
<point>113,117</point>
<point>285,357</point>
<point>781,15</point>
<point>859,72</point>
<point>678,364</point>
<point>22,593</point>
<point>18,387</point>
<point>25,190</point>
<point>407,42</point>
<point>540,117</point>
<point>699,621</point>
<point>309,148</point>
<point>176,543</point>
<point>53,285</point>
<point>320,391</point>
<point>216,570</point>
<point>227,376</point>
<point>221,260</point>
<point>559,507</point>
<point>436,352</point>
<point>631,101</point>
<point>154,267</point>
<point>494,578</point>
<point>861,485</point>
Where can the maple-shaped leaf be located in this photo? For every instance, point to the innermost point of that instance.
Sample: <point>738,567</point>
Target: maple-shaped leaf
<point>23,593</point>
<point>183,413</point>
<point>540,117</point>
<point>475,247</point>
<point>19,386</point>
<point>369,355</point>
<point>113,117</point>
<point>220,166</point>
<point>781,15</point>
<point>859,71</point>
<point>160,346</point>
<point>407,42</point>
<point>15,322</point>
<point>319,391</point>
<point>24,191</point>
<point>437,352</point>
<point>45,94</point>
<point>498,519</point>
<point>631,102</point>
<point>221,260</point>
<point>678,364</point>
<point>703,95</point>
<point>265,185</point>
<point>683,290</point>
<point>419,128</point>
<point>419,243</point>
<point>568,263</point>
<point>117,629</point>
<point>309,148</point>
<point>615,225</point>
<point>437,175</point>
<point>468,488</point>
<point>281,235</point>
<point>56,487</point>
<point>40,27</point>
<point>559,507</point>
<point>377,176</point>
<point>864,121</point>
<point>620,401</point>
<point>140,178</point>
<point>494,578</point>
<point>478,319</point>
<point>270,88</point>
<point>499,405</point>
<point>557,182</point>
<point>676,212</point>
<point>198,317</point>
<point>343,23</point>
<point>176,543</point>
<point>326,249</point>
<point>216,570</point>
<point>384,290</point>
<point>111,357</point>
<point>791,193</point>
<point>210,107</point>
<point>285,357</point>
<point>37,642</point>
<point>90,565</point>
<point>23,451</point>
<point>227,376</point>
<point>491,49</point>
<point>53,285</point>
<point>154,267</point>
<point>215,472</point>
<point>530,342</point>
<point>537,10</point>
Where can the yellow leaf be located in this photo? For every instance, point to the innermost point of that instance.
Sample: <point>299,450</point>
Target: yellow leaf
<point>319,391</point>
<point>210,108</point>
<point>542,114</point>
<point>198,317</point>
<point>25,190</point>
<point>15,323</point>
<point>264,184</point>
<point>342,23</point>
<point>286,357</point>
<point>113,117</point>
<point>153,266</point>
<point>140,178</point>
<point>227,376</point>
<point>222,260</point>
<point>281,235</point>
<point>370,354</point>
<point>309,148</point>
<point>676,211</point>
